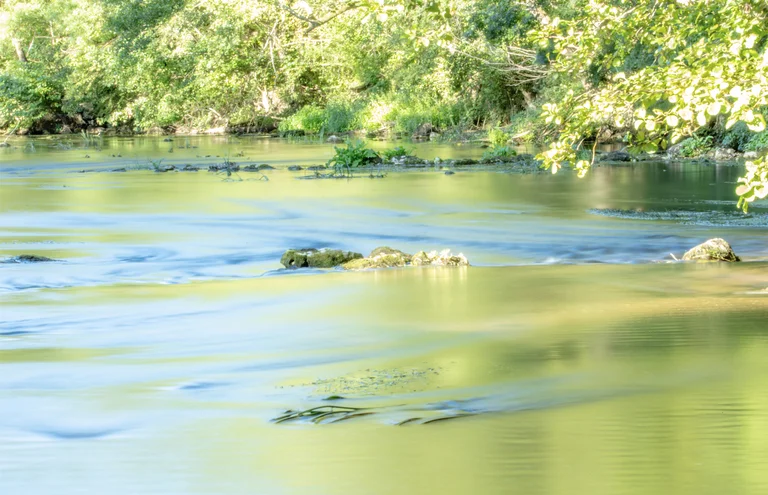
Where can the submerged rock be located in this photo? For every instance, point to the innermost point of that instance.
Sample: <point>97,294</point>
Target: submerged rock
<point>295,168</point>
<point>712,250</point>
<point>616,156</point>
<point>29,258</point>
<point>381,257</point>
<point>443,258</point>
<point>463,162</point>
<point>221,167</point>
<point>317,258</point>
<point>257,168</point>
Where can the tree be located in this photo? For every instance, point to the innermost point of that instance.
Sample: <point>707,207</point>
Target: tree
<point>700,61</point>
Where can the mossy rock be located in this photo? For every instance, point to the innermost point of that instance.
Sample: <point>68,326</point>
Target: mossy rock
<point>464,162</point>
<point>443,258</point>
<point>388,250</point>
<point>381,257</point>
<point>712,250</point>
<point>317,258</point>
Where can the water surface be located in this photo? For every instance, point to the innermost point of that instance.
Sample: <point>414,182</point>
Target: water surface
<point>151,359</point>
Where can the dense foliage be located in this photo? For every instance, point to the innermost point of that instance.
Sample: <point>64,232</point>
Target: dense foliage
<point>567,73</point>
<point>664,68</point>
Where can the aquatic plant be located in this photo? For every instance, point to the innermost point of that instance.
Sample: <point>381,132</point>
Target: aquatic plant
<point>355,155</point>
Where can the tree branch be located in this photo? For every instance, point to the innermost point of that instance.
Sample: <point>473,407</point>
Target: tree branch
<point>314,22</point>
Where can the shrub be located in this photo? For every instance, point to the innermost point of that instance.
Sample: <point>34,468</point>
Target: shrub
<point>497,137</point>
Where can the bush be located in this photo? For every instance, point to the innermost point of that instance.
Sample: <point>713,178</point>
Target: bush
<point>497,137</point>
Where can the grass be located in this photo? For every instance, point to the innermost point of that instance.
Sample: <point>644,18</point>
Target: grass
<point>375,116</point>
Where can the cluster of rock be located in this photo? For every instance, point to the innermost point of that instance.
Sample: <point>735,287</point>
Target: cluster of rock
<point>416,162</point>
<point>381,257</point>
<point>674,153</point>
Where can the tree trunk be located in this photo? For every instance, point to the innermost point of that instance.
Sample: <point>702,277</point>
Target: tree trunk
<point>19,50</point>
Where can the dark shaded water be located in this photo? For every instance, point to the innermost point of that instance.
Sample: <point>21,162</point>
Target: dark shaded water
<point>153,357</point>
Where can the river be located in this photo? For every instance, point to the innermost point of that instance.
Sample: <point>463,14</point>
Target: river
<point>570,357</point>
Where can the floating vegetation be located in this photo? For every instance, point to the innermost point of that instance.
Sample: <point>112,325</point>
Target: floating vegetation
<point>320,413</point>
<point>687,217</point>
<point>377,382</point>
<point>515,399</point>
<point>335,414</point>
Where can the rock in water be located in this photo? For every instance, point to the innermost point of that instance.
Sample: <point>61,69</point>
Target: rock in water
<point>317,258</point>
<point>616,156</point>
<point>444,258</point>
<point>381,257</point>
<point>389,251</point>
<point>712,250</point>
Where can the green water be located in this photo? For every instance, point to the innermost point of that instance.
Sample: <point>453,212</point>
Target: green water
<point>152,358</point>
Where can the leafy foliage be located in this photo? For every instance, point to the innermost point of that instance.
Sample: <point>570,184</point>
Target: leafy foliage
<point>497,137</point>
